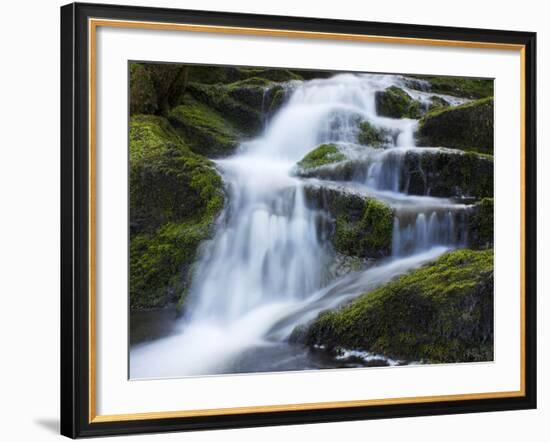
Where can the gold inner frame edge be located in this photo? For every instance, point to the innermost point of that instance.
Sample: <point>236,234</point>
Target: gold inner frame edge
<point>93,24</point>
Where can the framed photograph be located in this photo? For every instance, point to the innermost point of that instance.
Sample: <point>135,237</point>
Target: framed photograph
<point>279,220</point>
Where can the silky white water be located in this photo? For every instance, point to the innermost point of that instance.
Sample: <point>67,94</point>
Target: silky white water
<point>266,270</point>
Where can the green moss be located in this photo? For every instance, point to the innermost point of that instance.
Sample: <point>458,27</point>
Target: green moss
<point>445,174</point>
<point>175,195</point>
<point>225,101</point>
<point>370,236</point>
<point>371,136</point>
<point>360,227</point>
<point>442,312</point>
<point>204,74</point>
<point>437,103</point>
<point>394,102</point>
<point>481,224</point>
<point>156,87</point>
<point>321,156</point>
<point>276,97</point>
<point>466,127</point>
<point>143,97</point>
<point>226,74</point>
<point>204,129</point>
<point>278,75</point>
<point>251,92</point>
<point>458,86</point>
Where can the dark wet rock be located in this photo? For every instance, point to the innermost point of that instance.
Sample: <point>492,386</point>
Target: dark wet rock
<point>472,88</point>
<point>394,102</point>
<point>175,196</point>
<point>466,127</point>
<point>447,174</point>
<point>481,224</point>
<point>442,312</point>
<point>434,172</point>
<point>206,131</point>
<point>361,226</point>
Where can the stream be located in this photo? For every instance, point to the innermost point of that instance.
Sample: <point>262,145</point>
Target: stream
<point>267,268</point>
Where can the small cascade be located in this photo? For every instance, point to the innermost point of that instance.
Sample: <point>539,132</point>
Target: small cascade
<point>417,231</point>
<point>265,270</point>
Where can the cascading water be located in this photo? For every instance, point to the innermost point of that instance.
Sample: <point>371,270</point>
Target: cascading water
<point>266,268</point>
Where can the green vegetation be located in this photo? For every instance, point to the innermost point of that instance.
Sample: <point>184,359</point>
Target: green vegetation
<point>362,226</point>
<point>321,156</point>
<point>175,195</point>
<point>437,103</point>
<point>448,174</point>
<point>396,103</point>
<point>456,86</point>
<point>143,97</point>
<point>204,129</point>
<point>222,99</point>
<point>371,136</point>
<point>156,87</point>
<point>466,127</point>
<point>442,312</point>
<point>481,224</point>
<point>227,74</point>
<point>369,236</point>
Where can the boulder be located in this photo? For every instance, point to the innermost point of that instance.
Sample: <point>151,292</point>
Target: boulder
<point>175,196</point>
<point>360,226</point>
<point>321,156</point>
<point>204,129</point>
<point>156,88</point>
<point>442,312</point>
<point>481,224</point>
<point>444,173</point>
<point>394,102</point>
<point>466,127</point>
<point>472,88</point>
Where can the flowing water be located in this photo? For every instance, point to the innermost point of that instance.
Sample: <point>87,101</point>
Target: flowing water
<point>267,268</point>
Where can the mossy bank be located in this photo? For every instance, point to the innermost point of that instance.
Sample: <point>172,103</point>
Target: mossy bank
<point>175,196</point>
<point>467,127</point>
<point>442,312</point>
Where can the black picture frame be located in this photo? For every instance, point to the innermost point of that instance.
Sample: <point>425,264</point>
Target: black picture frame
<point>75,221</point>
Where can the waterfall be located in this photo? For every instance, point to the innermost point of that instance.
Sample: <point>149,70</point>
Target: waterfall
<point>265,269</point>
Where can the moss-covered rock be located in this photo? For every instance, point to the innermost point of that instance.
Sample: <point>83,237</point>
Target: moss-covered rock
<point>143,96</point>
<point>434,172</point>
<point>372,136</point>
<point>204,129</point>
<point>466,127</point>
<point>309,74</point>
<point>175,195</point>
<point>361,227</point>
<point>437,102</point>
<point>250,92</point>
<point>274,99</point>
<point>341,171</point>
<point>240,114</point>
<point>472,88</point>
<point>442,312</point>
<point>445,174</point>
<point>321,156</point>
<point>370,236</point>
<point>156,87</point>
<point>481,224</point>
<point>394,102</point>
<point>277,75</point>
<point>206,74</point>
